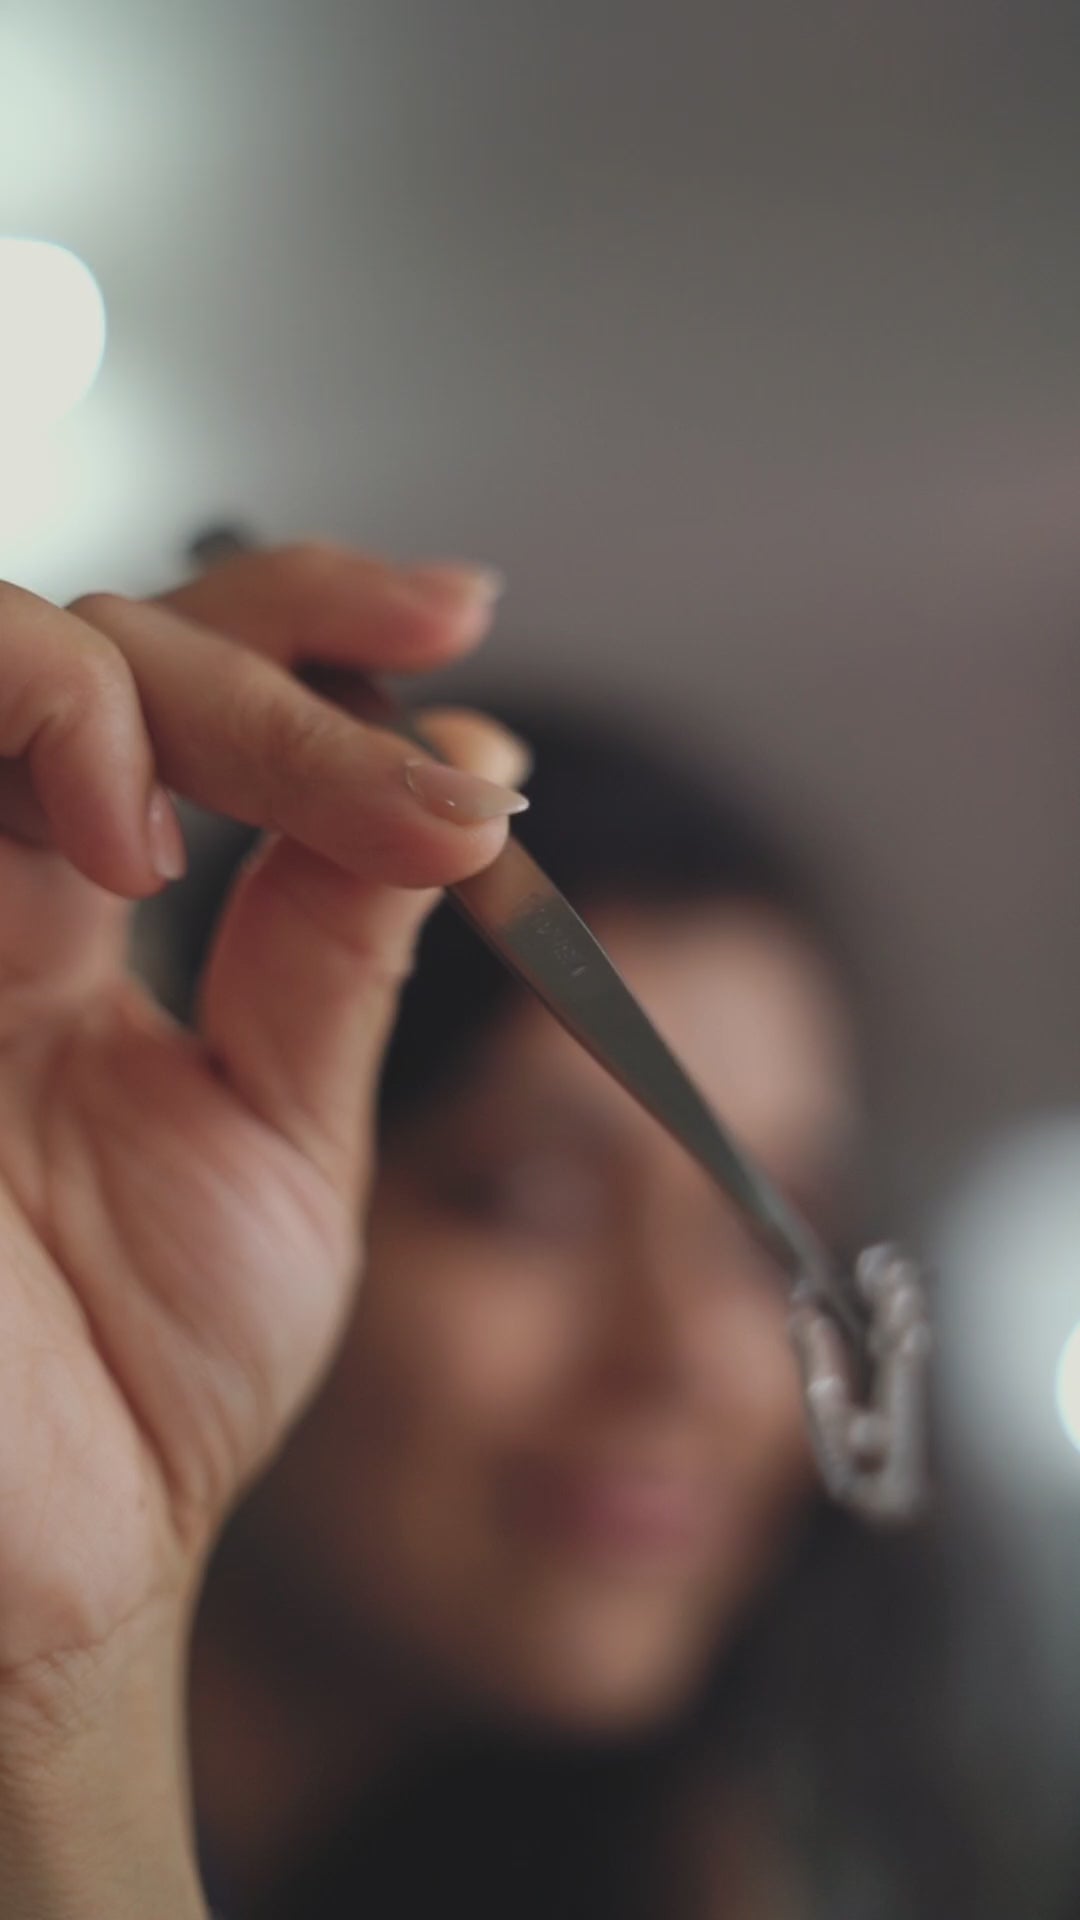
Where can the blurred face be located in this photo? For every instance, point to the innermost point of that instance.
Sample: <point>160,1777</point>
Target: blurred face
<point>563,1443</point>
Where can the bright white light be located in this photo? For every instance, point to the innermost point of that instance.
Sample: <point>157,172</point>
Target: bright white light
<point>1008,1250</point>
<point>52,334</point>
<point>33,473</point>
<point>1068,1387</point>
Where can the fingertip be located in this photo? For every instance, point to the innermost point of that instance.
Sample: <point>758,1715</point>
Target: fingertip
<point>108,847</point>
<point>132,880</point>
<point>474,849</point>
<point>445,608</point>
<point>441,854</point>
<point>477,743</point>
<point>455,584</point>
<point>165,837</point>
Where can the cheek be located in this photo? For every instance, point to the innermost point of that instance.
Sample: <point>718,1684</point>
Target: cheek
<point>757,1397</point>
<point>454,1352</point>
<point>455,1355</point>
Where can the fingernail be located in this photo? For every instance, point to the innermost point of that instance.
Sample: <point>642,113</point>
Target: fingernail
<point>452,585</point>
<point>168,854</point>
<point>460,797</point>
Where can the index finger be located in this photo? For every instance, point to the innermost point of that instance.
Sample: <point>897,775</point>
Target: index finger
<point>319,602</point>
<point>237,733</point>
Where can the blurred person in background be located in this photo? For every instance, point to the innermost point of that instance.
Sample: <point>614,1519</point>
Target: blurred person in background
<point>518,1615</point>
<point>508,1607</point>
<point>561,1450</point>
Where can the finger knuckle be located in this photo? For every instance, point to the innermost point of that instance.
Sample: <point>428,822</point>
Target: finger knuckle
<point>97,681</point>
<point>293,733</point>
<point>99,609</point>
<point>15,603</point>
<point>74,677</point>
<point>102,673</point>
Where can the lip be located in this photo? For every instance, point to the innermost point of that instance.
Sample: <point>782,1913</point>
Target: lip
<point>623,1516</point>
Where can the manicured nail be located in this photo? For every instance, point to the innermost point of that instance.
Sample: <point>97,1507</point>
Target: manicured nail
<point>461,797</point>
<point>449,586</point>
<point>164,835</point>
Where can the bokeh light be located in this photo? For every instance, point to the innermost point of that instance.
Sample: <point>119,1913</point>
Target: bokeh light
<point>1068,1387</point>
<point>52,334</point>
<point>1009,1253</point>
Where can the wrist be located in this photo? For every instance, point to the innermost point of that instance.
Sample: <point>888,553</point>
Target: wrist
<point>95,1811</point>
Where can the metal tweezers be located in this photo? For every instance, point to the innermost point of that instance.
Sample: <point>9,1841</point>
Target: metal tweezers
<point>870,1337</point>
<point>862,1344</point>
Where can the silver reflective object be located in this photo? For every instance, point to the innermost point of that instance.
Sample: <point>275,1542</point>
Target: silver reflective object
<point>863,1347</point>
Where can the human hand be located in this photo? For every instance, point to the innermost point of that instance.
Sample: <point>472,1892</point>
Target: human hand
<point>181,1214</point>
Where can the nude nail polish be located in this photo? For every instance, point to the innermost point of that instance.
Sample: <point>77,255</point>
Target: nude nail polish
<point>164,835</point>
<point>462,798</point>
<point>450,584</point>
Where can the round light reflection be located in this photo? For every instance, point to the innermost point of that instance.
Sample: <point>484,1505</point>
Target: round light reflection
<point>1008,1250</point>
<point>52,333</point>
<point>1068,1387</point>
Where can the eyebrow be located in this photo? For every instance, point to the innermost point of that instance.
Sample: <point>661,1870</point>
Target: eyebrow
<point>547,1113</point>
<point>537,1113</point>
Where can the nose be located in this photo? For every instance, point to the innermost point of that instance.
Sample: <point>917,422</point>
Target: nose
<point>651,1341</point>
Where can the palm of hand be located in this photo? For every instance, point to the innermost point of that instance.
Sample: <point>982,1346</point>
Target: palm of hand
<point>174,1272</point>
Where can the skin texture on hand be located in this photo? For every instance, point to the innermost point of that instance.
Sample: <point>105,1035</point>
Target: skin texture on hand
<point>94,1797</point>
<point>180,1215</point>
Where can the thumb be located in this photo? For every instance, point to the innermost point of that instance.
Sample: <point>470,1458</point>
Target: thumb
<point>302,985</point>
